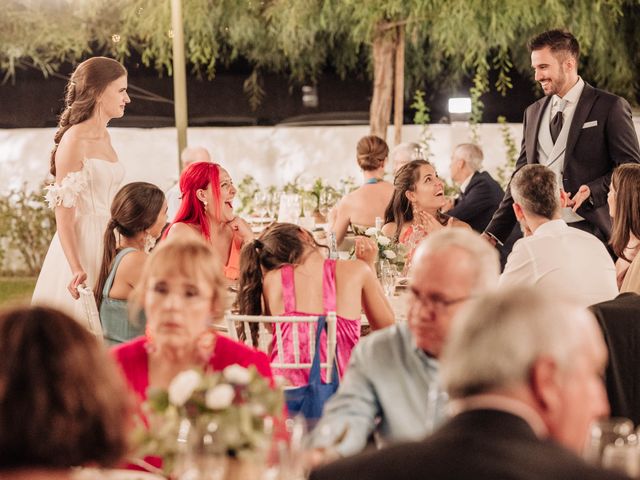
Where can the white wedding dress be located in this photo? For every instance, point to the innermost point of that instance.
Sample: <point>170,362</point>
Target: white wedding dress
<point>91,190</point>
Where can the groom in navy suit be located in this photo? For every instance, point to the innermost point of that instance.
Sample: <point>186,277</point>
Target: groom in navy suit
<point>580,132</point>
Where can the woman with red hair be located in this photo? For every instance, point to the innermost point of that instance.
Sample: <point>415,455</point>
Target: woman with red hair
<point>207,209</point>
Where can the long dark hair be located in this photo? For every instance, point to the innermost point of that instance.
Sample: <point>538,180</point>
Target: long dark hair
<point>626,219</point>
<point>135,208</point>
<point>399,210</point>
<point>279,244</point>
<point>86,84</point>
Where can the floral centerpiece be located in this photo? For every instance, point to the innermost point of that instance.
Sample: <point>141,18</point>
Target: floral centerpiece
<point>233,407</point>
<point>394,253</point>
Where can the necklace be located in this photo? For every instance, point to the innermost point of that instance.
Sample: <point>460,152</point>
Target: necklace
<point>372,181</point>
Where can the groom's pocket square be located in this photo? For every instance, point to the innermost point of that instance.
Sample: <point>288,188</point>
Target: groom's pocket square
<point>593,123</point>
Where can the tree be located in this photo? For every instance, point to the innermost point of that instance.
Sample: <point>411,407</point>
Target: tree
<point>409,42</point>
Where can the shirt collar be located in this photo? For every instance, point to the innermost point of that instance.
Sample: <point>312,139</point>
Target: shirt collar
<point>572,96</point>
<point>465,184</point>
<point>551,226</point>
<point>408,338</point>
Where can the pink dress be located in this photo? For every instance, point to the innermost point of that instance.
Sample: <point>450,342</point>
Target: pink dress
<point>347,330</point>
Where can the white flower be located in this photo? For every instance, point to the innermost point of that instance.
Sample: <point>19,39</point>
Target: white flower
<point>67,192</point>
<point>237,374</point>
<point>219,397</point>
<point>390,254</point>
<point>384,241</point>
<point>183,386</point>
<point>371,231</point>
<point>257,409</point>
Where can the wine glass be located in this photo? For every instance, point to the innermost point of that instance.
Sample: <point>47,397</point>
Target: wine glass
<point>260,204</point>
<point>388,278</point>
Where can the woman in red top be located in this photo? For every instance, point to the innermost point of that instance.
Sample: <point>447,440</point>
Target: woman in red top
<point>181,290</point>
<point>207,210</point>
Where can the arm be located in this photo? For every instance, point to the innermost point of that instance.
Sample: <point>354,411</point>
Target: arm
<point>504,219</point>
<point>349,417</point>
<point>622,143</point>
<point>68,161</point>
<point>341,221</point>
<point>374,302</point>
<point>478,199</point>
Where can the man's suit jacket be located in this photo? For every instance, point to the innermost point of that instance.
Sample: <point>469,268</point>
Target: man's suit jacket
<point>619,320</point>
<point>479,201</point>
<point>590,156</point>
<point>478,445</point>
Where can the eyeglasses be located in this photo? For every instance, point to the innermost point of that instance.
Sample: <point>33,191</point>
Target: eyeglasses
<point>438,303</point>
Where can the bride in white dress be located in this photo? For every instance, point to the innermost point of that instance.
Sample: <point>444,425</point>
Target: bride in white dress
<point>87,176</point>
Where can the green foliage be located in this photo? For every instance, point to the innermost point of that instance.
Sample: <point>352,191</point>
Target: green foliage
<point>26,227</point>
<point>480,87</point>
<point>16,289</point>
<point>505,170</point>
<point>422,117</point>
<point>446,39</point>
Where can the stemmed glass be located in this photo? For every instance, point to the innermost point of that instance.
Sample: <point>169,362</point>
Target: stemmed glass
<point>261,204</point>
<point>388,278</point>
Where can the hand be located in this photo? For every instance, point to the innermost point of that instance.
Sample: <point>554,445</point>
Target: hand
<point>366,250</point>
<point>242,227</point>
<point>429,223</point>
<point>579,197</point>
<point>79,277</point>
<point>319,456</point>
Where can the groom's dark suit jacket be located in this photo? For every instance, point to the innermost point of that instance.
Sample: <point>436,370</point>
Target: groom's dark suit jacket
<point>590,156</point>
<point>475,445</point>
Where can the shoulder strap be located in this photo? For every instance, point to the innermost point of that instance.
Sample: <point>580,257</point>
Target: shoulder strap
<point>314,373</point>
<point>288,289</point>
<point>329,286</point>
<point>112,274</point>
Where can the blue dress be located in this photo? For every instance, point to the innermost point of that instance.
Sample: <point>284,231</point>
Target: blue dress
<point>114,313</point>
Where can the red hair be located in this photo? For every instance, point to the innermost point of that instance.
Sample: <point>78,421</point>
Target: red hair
<point>198,176</point>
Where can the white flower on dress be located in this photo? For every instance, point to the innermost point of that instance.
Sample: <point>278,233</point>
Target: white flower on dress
<point>384,241</point>
<point>183,386</point>
<point>219,397</point>
<point>390,254</point>
<point>237,374</point>
<point>67,192</point>
<point>371,231</point>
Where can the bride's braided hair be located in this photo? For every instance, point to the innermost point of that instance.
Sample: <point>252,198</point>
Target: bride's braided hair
<point>85,86</point>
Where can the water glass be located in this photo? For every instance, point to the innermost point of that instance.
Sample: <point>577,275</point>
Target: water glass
<point>388,279</point>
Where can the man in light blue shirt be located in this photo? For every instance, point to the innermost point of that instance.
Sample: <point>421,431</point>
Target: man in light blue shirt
<point>391,385</point>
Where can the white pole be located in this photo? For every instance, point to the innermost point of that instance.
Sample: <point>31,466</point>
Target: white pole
<point>179,77</point>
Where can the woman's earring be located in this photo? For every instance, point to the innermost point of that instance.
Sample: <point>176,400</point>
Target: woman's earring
<point>205,203</point>
<point>149,242</point>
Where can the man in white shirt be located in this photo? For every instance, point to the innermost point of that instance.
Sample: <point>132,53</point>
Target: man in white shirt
<point>569,261</point>
<point>174,198</point>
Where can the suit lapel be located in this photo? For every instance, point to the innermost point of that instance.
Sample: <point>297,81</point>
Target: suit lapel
<point>531,140</point>
<point>583,108</point>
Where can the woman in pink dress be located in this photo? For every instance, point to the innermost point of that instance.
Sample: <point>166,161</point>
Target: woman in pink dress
<point>285,272</point>
<point>181,290</point>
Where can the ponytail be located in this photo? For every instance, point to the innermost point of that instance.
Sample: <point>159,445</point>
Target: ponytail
<point>108,254</point>
<point>250,294</point>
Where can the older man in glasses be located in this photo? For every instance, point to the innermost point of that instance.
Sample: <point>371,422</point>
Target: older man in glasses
<point>391,386</point>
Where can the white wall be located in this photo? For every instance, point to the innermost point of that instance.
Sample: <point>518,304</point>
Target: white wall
<point>273,155</point>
